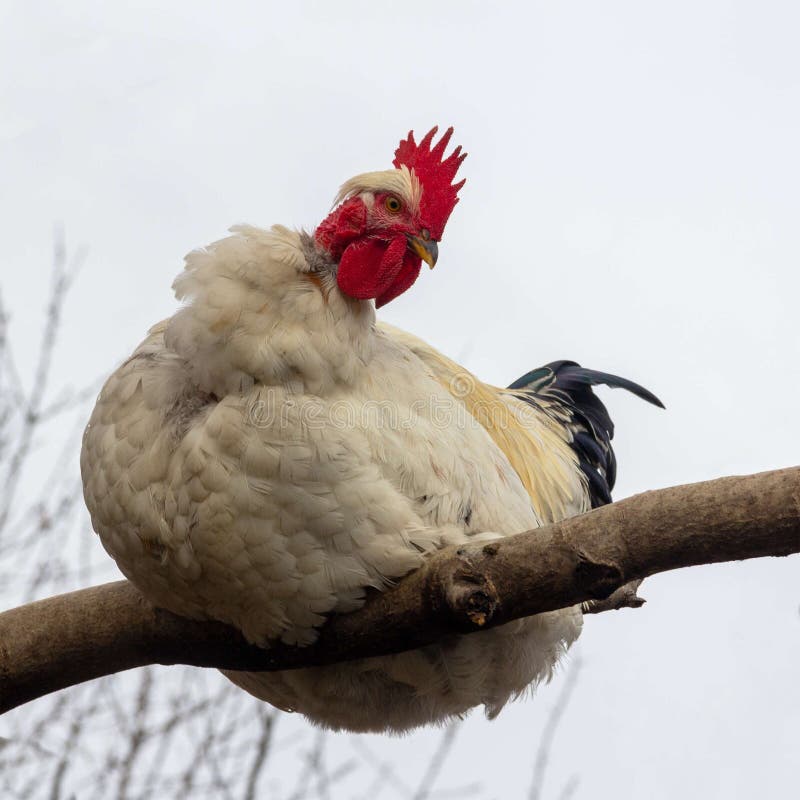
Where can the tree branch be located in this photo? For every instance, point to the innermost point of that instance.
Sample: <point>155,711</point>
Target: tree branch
<point>64,640</point>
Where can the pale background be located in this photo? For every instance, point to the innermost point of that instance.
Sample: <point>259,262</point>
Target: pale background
<point>631,203</point>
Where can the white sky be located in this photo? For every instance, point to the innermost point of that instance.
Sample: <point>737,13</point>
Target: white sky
<point>632,203</point>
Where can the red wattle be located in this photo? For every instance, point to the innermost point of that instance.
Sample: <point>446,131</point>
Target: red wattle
<point>368,267</point>
<point>407,275</point>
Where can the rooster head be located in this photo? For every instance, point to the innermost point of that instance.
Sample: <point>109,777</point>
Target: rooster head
<point>385,224</point>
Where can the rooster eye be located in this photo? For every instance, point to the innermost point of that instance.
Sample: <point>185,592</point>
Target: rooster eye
<point>426,234</point>
<point>393,204</point>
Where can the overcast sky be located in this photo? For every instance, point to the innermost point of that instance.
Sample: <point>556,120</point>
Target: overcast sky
<point>631,203</point>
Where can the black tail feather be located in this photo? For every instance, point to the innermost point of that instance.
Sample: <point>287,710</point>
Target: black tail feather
<point>571,375</point>
<point>570,385</point>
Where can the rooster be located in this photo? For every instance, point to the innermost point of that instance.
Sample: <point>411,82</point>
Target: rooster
<point>269,454</point>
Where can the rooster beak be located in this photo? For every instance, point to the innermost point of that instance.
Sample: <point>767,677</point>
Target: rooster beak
<point>426,249</point>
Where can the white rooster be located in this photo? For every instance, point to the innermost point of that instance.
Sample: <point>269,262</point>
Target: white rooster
<point>268,453</point>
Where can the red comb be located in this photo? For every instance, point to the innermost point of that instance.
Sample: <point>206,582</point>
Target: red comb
<point>439,193</point>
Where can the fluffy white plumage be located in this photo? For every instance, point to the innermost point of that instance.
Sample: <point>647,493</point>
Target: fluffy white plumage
<point>268,453</point>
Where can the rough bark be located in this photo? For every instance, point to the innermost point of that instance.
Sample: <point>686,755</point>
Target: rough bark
<point>595,559</point>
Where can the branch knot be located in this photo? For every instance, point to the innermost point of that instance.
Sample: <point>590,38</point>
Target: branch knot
<point>461,591</point>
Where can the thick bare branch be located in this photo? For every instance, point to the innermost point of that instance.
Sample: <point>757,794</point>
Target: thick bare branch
<point>75,637</point>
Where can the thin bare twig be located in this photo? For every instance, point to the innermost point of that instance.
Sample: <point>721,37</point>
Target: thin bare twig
<point>268,718</point>
<point>63,274</point>
<point>137,736</point>
<point>437,761</point>
<point>385,773</point>
<point>15,387</point>
<point>570,788</point>
<point>550,729</point>
<point>312,758</point>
